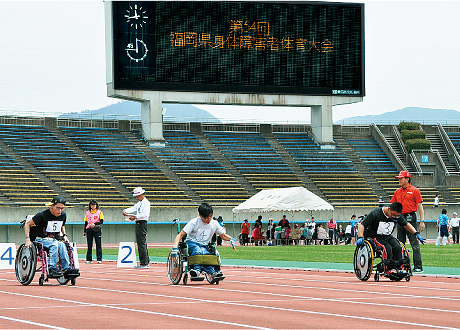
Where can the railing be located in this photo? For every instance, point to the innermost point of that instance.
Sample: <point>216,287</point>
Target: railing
<point>414,162</point>
<point>452,151</point>
<point>291,129</point>
<point>208,127</point>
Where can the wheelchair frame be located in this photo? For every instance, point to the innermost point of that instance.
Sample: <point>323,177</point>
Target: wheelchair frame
<point>26,265</point>
<point>363,263</point>
<point>178,267</point>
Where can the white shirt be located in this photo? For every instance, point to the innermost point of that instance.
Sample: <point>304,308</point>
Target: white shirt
<point>454,222</point>
<point>141,210</point>
<point>200,232</point>
<point>348,229</point>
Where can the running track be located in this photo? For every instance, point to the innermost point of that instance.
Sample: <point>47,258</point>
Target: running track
<point>108,298</point>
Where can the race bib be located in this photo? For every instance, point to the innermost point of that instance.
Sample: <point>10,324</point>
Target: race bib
<point>385,228</point>
<point>54,227</point>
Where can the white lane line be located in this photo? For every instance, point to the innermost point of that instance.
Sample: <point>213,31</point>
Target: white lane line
<point>48,326</point>
<point>246,305</point>
<point>137,310</point>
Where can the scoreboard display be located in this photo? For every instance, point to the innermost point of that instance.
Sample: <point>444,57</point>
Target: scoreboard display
<point>301,48</point>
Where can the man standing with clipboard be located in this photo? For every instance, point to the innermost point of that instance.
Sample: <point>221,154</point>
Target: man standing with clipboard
<point>411,200</point>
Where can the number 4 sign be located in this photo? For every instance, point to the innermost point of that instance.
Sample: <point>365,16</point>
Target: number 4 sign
<point>7,255</point>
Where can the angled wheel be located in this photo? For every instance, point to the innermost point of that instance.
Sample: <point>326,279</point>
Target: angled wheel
<point>363,261</point>
<point>209,278</point>
<point>174,268</point>
<point>62,280</point>
<point>26,264</point>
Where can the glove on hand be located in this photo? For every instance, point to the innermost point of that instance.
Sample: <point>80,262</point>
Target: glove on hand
<point>360,241</point>
<point>232,242</point>
<point>420,238</point>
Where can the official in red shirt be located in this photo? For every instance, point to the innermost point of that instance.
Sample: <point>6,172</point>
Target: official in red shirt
<point>411,200</point>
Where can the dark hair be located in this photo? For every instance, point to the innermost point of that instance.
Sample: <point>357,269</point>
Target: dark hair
<point>444,211</point>
<point>93,202</point>
<point>205,210</point>
<point>396,206</point>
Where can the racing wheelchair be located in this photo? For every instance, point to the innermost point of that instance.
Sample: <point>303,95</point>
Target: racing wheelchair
<point>26,264</point>
<point>369,257</point>
<point>179,265</point>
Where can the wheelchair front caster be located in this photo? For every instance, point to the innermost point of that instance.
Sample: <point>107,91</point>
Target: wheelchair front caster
<point>376,277</point>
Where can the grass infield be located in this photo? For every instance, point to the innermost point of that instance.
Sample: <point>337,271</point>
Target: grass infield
<point>433,256</point>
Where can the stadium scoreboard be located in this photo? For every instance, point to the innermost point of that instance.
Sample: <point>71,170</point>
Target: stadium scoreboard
<point>301,48</point>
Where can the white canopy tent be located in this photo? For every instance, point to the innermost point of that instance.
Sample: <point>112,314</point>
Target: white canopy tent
<point>293,199</point>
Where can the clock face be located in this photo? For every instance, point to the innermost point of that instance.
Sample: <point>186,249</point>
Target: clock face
<point>137,51</point>
<point>136,16</point>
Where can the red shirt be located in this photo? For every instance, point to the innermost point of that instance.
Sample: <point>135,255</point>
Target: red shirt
<point>245,228</point>
<point>408,197</point>
<point>256,234</point>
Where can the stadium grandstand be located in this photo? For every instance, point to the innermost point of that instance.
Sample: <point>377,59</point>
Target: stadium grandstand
<point>221,164</point>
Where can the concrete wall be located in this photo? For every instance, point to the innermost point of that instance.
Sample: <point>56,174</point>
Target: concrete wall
<point>161,230</point>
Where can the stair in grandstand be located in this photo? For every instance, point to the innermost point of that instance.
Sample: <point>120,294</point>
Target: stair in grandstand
<point>280,150</point>
<point>392,141</point>
<point>437,145</point>
<point>136,138</point>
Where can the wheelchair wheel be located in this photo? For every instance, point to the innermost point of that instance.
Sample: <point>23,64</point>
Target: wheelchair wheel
<point>62,280</point>
<point>26,264</point>
<point>363,261</point>
<point>209,279</point>
<point>174,267</point>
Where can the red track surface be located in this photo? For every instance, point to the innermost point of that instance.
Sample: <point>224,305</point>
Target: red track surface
<point>108,298</point>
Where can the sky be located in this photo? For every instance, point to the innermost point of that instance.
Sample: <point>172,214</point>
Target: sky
<point>52,60</point>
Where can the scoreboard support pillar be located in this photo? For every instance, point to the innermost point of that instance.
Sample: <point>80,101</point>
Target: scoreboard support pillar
<point>321,124</point>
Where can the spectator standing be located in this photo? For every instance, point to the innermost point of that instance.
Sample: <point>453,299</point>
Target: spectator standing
<point>93,229</point>
<point>442,225</point>
<point>353,223</point>
<point>454,224</point>
<point>284,224</point>
<point>270,229</point>
<point>436,201</point>
<point>381,201</point>
<point>220,221</point>
<point>348,231</point>
<point>332,226</point>
<point>411,200</point>
<point>309,235</point>
<point>140,213</point>
<point>296,234</point>
<point>322,234</point>
<point>245,231</point>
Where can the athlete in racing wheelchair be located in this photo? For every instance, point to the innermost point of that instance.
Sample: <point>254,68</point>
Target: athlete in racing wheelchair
<point>375,240</point>
<point>46,237</point>
<point>192,247</point>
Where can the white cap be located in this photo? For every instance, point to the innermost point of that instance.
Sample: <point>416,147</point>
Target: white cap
<point>138,191</point>
<point>455,213</point>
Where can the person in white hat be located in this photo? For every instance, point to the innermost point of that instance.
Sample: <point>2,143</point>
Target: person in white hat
<point>140,213</point>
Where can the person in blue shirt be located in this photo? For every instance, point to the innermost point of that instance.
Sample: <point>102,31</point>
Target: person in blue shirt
<point>443,227</point>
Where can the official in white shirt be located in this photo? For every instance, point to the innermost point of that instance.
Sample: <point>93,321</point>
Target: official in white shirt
<point>454,223</point>
<point>140,213</point>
